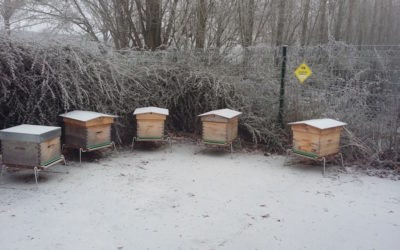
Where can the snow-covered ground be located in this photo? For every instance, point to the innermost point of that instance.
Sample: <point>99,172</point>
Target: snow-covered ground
<point>154,199</point>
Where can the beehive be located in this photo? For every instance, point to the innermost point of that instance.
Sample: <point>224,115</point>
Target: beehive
<point>316,138</point>
<point>87,130</point>
<point>220,126</point>
<point>150,123</point>
<point>30,145</point>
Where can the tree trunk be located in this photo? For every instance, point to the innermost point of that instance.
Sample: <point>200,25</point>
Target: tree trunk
<point>349,25</point>
<point>273,22</point>
<point>171,21</point>
<point>201,23</point>
<point>323,31</point>
<point>389,22</point>
<point>374,24</point>
<point>121,22</point>
<point>153,24</point>
<point>248,38</point>
<point>339,20</point>
<point>246,22</point>
<point>7,26</point>
<point>305,23</point>
<point>361,27</point>
<point>8,8</point>
<point>281,23</point>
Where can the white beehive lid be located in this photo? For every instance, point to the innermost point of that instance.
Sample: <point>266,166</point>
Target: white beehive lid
<point>226,113</point>
<point>85,116</point>
<point>321,123</point>
<point>151,110</point>
<point>30,133</point>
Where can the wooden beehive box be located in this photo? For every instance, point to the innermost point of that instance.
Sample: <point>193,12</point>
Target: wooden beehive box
<point>316,138</point>
<point>87,130</point>
<point>220,126</point>
<point>150,123</point>
<point>30,145</point>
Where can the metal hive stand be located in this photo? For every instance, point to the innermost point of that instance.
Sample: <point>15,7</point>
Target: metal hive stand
<point>316,158</point>
<point>37,169</point>
<point>155,139</point>
<point>90,149</point>
<point>222,144</point>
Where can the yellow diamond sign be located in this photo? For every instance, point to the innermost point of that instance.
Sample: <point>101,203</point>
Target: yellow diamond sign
<point>303,72</point>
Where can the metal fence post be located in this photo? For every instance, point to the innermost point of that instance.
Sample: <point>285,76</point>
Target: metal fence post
<point>282,90</point>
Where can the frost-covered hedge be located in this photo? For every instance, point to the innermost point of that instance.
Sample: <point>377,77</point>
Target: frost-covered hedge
<point>38,82</point>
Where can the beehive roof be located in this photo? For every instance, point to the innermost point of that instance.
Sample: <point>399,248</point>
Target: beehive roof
<point>154,110</point>
<point>30,133</point>
<point>226,113</point>
<point>84,116</point>
<point>321,123</point>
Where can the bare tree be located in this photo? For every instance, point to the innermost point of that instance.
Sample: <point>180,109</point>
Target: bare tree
<point>281,23</point>
<point>158,24</point>
<point>306,12</point>
<point>246,22</point>
<point>7,9</point>
<point>339,20</point>
<point>201,23</point>
<point>350,17</point>
<point>323,28</point>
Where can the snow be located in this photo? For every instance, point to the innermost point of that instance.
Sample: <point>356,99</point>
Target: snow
<point>30,133</point>
<point>155,110</point>
<point>321,123</point>
<point>29,129</point>
<point>84,116</point>
<point>153,199</point>
<point>227,113</point>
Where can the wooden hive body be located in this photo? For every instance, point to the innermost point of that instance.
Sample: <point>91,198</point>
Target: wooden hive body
<point>88,134</point>
<point>315,142</point>
<point>219,130</point>
<point>150,126</point>
<point>27,151</point>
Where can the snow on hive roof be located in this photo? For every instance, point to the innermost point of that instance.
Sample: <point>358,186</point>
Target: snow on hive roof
<point>226,113</point>
<point>30,133</point>
<point>30,129</point>
<point>84,116</point>
<point>155,110</point>
<point>321,123</point>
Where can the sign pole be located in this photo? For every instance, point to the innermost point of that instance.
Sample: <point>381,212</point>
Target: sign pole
<point>282,90</point>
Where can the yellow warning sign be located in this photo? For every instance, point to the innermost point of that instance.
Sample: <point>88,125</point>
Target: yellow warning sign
<point>303,72</point>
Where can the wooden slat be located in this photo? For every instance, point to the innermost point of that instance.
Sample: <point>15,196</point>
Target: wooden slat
<point>306,142</point>
<point>215,131</point>
<point>151,117</point>
<point>329,143</point>
<point>229,131</point>
<point>50,149</point>
<point>98,134</point>
<point>213,118</point>
<point>232,129</point>
<point>94,122</point>
<point>150,128</point>
<point>305,128</point>
<point>75,136</point>
<point>332,137</point>
<point>320,142</point>
<point>100,121</point>
<point>70,122</point>
<point>329,150</point>
<point>331,130</point>
<point>20,153</point>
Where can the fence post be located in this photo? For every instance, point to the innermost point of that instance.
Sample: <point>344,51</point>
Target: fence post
<point>282,91</point>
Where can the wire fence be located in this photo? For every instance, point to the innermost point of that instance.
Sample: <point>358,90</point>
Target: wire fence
<point>359,85</point>
<point>355,84</point>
